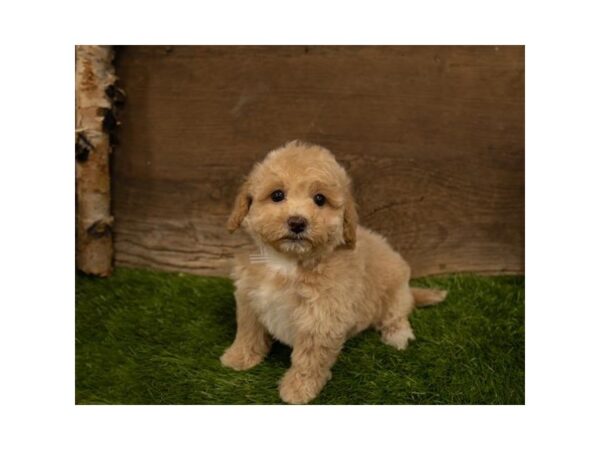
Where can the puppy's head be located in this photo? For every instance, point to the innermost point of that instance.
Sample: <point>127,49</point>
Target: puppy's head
<point>298,201</point>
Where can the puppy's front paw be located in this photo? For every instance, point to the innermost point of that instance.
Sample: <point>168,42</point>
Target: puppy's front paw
<point>298,389</point>
<point>239,358</point>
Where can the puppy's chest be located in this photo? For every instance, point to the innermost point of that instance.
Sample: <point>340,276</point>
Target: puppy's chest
<point>281,307</point>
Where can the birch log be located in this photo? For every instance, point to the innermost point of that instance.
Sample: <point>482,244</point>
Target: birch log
<point>95,119</point>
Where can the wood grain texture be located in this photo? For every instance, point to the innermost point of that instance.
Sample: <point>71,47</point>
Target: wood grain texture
<point>433,138</point>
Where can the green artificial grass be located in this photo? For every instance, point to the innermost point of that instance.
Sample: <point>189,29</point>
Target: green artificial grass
<point>146,337</point>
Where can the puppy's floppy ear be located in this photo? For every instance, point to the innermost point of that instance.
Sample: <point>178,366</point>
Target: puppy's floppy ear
<point>241,206</point>
<point>350,222</point>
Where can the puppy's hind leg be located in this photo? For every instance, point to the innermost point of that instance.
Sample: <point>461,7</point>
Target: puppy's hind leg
<point>394,326</point>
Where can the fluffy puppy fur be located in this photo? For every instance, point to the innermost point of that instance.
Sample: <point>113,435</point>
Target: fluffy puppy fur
<point>317,277</point>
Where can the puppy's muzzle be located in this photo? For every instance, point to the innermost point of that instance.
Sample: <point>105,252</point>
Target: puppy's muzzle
<point>297,224</point>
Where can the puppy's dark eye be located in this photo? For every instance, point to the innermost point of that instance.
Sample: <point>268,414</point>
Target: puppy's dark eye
<point>277,195</point>
<point>319,199</point>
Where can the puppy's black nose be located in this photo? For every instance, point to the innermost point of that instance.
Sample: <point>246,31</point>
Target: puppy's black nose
<point>297,224</point>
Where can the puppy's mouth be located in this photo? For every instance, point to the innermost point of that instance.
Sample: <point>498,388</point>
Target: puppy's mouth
<point>294,243</point>
<point>294,238</point>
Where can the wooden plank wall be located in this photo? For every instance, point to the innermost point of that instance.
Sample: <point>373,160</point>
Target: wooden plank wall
<point>432,136</point>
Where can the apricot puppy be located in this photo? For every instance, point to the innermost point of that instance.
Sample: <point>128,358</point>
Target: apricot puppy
<point>316,277</point>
